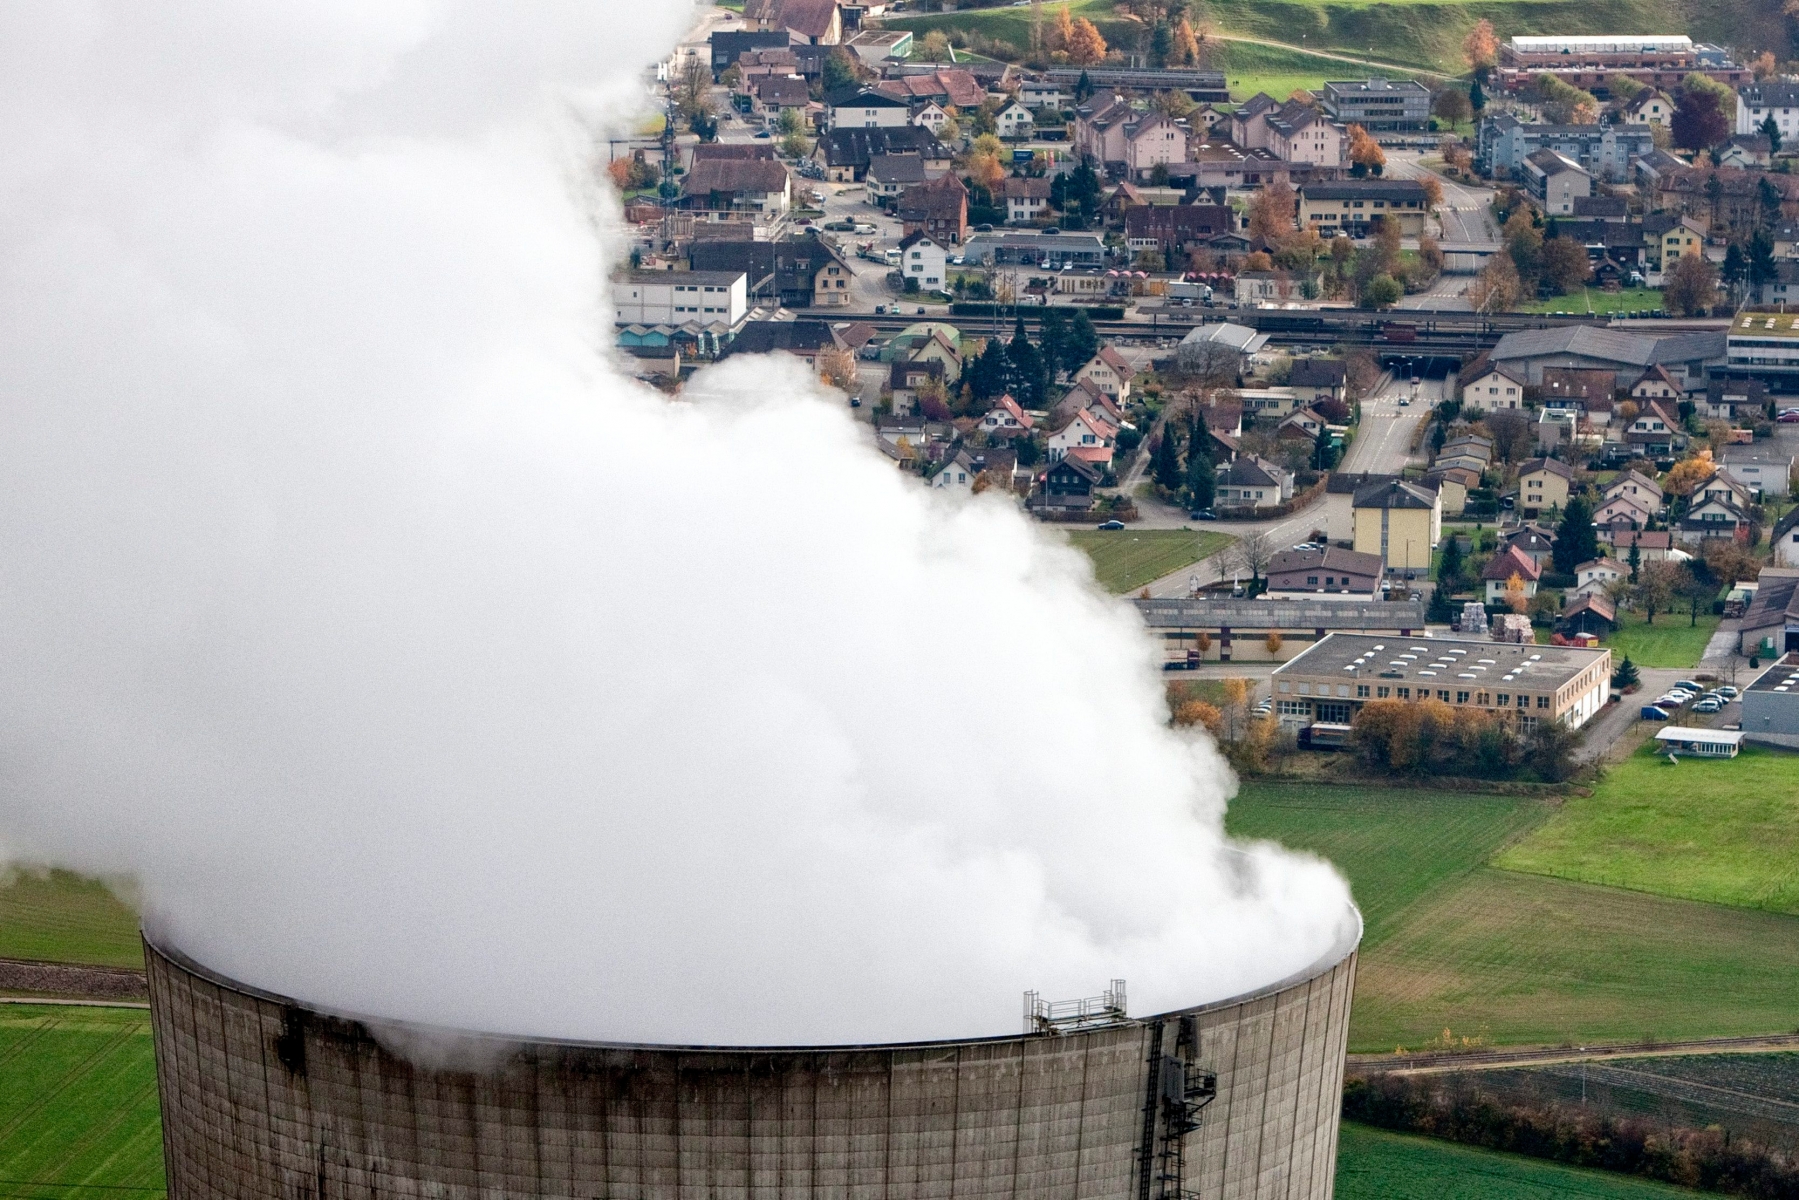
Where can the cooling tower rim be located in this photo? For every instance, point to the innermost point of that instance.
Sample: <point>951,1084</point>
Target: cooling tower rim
<point>1349,936</point>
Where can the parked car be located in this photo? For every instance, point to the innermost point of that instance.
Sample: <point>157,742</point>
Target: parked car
<point>1787,416</point>
<point>1728,691</point>
<point>1202,514</point>
<point>1686,685</point>
<point>1111,525</point>
<point>1707,706</point>
<point>1651,713</point>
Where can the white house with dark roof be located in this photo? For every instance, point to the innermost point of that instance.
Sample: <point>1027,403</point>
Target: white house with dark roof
<point>1252,482</point>
<point>923,259</point>
<point>1088,430</point>
<point>1493,387</point>
<point>1109,372</point>
<point>1594,577</point>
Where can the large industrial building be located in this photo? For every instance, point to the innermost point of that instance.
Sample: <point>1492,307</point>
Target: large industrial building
<point>1771,705</point>
<point>264,1098</point>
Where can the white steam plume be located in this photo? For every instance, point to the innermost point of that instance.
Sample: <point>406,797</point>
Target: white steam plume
<point>414,662</point>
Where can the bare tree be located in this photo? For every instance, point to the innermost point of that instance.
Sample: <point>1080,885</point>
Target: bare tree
<point>1252,553</point>
<point>1511,433</point>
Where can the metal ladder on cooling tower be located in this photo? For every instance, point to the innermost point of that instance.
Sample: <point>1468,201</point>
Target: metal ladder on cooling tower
<point>1176,1092</point>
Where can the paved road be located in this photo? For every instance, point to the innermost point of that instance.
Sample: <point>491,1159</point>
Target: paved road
<point>1614,733</point>
<point>1466,214</point>
<point>1500,1060</point>
<point>1302,48</point>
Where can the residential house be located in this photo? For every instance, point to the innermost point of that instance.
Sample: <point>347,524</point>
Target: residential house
<point>1067,484</point>
<point>905,378</point>
<point>844,154</point>
<point>1176,229</point>
<point>1086,431</point>
<point>803,339</point>
<point>810,273</point>
<point>1609,210</point>
<point>889,175</point>
<point>1493,387</point>
<point>1292,132</point>
<point>807,22</point>
<point>1014,121</point>
<point>1351,205</point>
<point>1746,150</point>
<point>1650,107</point>
<point>722,188</point>
<point>924,260</point>
<point>1252,482</point>
<point>1269,401</point>
<point>1533,541</point>
<point>1502,567</point>
<point>1577,387</point>
<point>935,345</point>
<point>1735,199</point>
<point>1556,181</point>
<point>1765,468</point>
<point>1595,577</point>
<point>1007,419</point>
<point>1721,485</point>
<point>1302,424</point>
<point>938,208</point>
<point>956,475</point>
<point>1656,384</point>
<point>1739,400</point>
<point>1109,372</point>
<point>1543,484</point>
<point>1040,93</point>
<point>1251,288</point>
<point>1633,485</point>
<point>777,93</point>
<point>933,116</point>
<point>1116,134</point>
<point>1027,199</point>
<point>1668,239</point>
<point>728,47</point>
<point>1622,512</point>
<point>1086,394</point>
<point>1401,521</point>
<point>1329,571</point>
<point>868,109</point>
<point>1783,540</point>
<point>1315,379</point>
<point>1779,289</point>
<point>1452,484</point>
<point>1502,142</point>
<point>1656,433</point>
<point>1776,97</point>
<point>1652,545</point>
<point>1714,516</point>
<point>948,87</point>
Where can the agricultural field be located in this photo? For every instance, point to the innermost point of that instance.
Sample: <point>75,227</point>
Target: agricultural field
<point>78,1112</point>
<point>1723,831</point>
<point>1670,642</point>
<point>1373,1164</point>
<point>1509,958</point>
<point>61,917</point>
<point>1126,559</point>
<point>1448,835</point>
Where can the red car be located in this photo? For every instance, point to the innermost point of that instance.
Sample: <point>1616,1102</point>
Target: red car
<point>1788,416</point>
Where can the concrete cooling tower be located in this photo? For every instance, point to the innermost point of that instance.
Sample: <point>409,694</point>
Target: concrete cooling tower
<point>267,1099</point>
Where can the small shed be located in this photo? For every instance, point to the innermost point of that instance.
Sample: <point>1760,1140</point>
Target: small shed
<point>1589,614</point>
<point>1704,743</point>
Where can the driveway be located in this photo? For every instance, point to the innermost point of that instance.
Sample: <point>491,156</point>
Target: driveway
<point>1608,736</point>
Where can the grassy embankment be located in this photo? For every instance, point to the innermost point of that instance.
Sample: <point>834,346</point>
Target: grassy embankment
<point>1593,300</point>
<point>1127,559</point>
<point>1420,34</point>
<point>1507,957</point>
<point>60,917</point>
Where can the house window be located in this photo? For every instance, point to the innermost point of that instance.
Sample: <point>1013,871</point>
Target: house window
<point>1361,691</point>
<point>1443,695</point>
<point>1312,580</point>
<point>1292,708</point>
<point>1381,693</point>
<point>1336,714</point>
<point>1405,693</point>
<point>1505,699</point>
<point>1461,697</point>
<point>1542,701</point>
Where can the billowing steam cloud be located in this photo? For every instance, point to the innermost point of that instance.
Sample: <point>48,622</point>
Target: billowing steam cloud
<point>414,662</point>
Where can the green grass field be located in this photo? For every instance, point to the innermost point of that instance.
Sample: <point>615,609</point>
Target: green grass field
<point>1516,958</point>
<point>78,1111</point>
<point>1725,831</point>
<point>1249,68</point>
<point>1373,1164</point>
<point>1126,559</point>
<point>60,917</point>
<point>1593,300</point>
<point>1671,642</point>
<point>1446,835</point>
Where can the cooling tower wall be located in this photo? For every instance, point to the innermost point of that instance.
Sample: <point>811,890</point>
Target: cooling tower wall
<point>263,1099</point>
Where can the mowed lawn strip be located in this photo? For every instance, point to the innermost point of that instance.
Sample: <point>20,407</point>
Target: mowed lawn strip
<point>1670,642</point>
<point>1126,559</point>
<point>1527,960</point>
<point>61,917</point>
<point>1373,1164</point>
<point>1394,844</point>
<point>1725,831</point>
<point>78,1112</point>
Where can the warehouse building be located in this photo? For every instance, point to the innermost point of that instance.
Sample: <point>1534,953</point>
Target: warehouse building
<point>1225,629</point>
<point>1771,705</point>
<point>1330,681</point>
